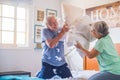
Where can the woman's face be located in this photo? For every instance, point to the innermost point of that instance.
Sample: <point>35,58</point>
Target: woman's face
<point>95,34</point>
<point>53,24</point>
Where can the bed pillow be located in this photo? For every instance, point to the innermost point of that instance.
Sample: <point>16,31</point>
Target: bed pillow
<point>79,25</point>
<point>71,13</point>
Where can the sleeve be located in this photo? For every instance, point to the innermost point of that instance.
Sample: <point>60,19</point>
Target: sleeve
<point>45,35</point>
<point>99,46</point>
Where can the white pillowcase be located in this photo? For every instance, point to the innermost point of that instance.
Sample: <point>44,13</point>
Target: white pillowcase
<point>71,13</point>
<point>79,26</point>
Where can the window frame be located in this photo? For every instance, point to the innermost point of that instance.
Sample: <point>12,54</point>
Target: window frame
<point>15,45</point>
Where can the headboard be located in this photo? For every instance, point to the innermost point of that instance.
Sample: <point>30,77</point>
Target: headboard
<point>92,64</point>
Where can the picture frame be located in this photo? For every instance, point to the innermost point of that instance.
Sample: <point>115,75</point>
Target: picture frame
<point>40,15</point>
<point>37,36</point>
<point>38,46</point>
<point>51,12</point>
<point>37,33</point>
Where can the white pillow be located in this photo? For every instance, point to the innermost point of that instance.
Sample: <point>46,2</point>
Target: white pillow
<point>71,13</point>
<point>79,27</point>
<point>80,31</point>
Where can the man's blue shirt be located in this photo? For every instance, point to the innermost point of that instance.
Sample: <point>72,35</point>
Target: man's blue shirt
<point>53,56</point>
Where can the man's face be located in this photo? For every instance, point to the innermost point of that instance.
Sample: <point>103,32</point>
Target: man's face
<point>53,24</point>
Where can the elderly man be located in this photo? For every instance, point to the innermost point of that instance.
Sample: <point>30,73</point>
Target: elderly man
<point>53,61</point>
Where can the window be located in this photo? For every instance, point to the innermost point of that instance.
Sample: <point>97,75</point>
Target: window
<point>13,26</point>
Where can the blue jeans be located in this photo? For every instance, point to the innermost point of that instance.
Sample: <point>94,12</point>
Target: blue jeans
<point>48,71</point>
<point>104,76</point>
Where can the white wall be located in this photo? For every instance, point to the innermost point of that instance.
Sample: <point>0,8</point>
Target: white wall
<point>48,4</point>
<point>88,3</point>
<point>27,59</point>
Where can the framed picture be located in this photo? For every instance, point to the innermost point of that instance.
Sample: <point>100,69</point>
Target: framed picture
<point>38,46</point>
<point>51,12</point>
<point>37,33</point>
<point>40,15</point>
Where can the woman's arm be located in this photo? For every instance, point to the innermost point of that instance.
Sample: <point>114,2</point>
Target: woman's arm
<point>91,54</point>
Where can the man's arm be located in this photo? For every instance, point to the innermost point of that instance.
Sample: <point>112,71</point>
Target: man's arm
<point>52,42</point>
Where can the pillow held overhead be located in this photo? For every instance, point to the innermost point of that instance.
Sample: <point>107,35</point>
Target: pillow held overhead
<point>71,13</point>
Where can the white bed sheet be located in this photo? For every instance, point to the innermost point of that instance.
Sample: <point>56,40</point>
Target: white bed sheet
<point>83,74</point>
<point>78,75</point>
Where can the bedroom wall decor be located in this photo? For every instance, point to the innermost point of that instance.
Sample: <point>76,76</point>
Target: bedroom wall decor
<point>110,13</point>
<point>40,15</point>
<point>50,12</point>
<point>37,36</point>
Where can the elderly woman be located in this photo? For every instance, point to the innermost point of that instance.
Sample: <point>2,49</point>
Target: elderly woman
<point>104,50</point>
<point>53,61</point>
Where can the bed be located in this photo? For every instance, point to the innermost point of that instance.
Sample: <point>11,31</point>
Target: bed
<point>78,75</point>
<point>90,68</point>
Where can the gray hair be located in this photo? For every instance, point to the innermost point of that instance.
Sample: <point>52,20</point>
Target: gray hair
<point>101,28</point>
